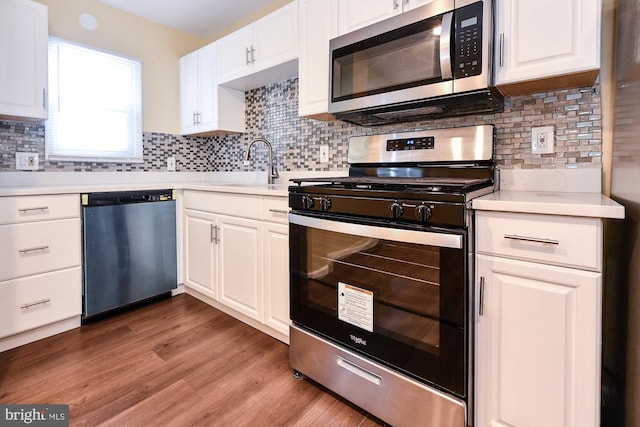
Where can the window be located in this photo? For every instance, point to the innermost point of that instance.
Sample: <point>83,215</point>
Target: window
<point>95,105</point>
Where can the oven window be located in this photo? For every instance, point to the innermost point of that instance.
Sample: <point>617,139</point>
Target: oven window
<point>407,57</point>
<point>401,303</point>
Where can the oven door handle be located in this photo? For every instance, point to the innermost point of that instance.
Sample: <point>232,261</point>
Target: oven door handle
<point>442,240</point>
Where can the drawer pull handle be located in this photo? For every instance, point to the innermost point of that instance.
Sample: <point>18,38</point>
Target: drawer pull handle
<point>279,211</point>
<point>31,304</point>
<point>34,249</point>
<point>359,370</point>
<point>531,239</point>
<point>39,208</point>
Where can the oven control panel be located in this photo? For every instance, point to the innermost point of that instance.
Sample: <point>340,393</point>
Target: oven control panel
<point>398,210</point>
<point>407,144</point>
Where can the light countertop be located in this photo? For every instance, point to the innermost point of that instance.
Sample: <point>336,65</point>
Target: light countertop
<point>278,190</point>
<point>551,203</point>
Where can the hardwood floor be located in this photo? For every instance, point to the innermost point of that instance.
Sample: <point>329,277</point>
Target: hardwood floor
<point>178,362</point>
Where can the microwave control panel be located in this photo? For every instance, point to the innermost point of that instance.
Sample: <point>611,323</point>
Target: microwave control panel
<point>468,40</point>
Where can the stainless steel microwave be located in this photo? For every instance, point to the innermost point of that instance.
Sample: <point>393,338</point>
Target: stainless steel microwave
<point>433,61</point>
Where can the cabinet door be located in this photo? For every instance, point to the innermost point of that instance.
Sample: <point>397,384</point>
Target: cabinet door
<point>275,38</point>
<point>241,281</point>
<point>412,4</point>
<point>318,25</point>
<point>23,69</point>
<point>538,345</point>
<point>235,55</point>
<point>208,88</point>
<point>201,256</point>
<point>355,14</point>
<point>276,267</point>
<point>535,44</point>
<point>189,93</point>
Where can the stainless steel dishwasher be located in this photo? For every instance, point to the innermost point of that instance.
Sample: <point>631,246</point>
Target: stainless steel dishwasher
<point>129,248</point>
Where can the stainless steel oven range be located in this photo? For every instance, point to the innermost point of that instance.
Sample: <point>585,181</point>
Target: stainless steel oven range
<point>380,274</point>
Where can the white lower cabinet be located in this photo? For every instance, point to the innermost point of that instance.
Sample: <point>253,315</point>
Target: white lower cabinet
<point>276,277</point>
<point>201,253</point>
<point>40,267</point>
<point>538,322</point>
<point>239,264</point>
<point>538,345</point>
<point>240,244</point>
<point>30,302</point>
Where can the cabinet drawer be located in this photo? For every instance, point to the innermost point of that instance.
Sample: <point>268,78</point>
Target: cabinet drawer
<point>38,208</point>
<point>276,209</point>
<point>551,239</point>
<point>38,247</point>
<point>240,205</point>
<point>39,300</point>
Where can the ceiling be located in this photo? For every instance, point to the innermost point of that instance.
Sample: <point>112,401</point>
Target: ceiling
<point>202,18</point>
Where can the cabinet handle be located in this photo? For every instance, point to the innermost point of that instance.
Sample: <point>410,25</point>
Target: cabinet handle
<point>406,2</point>
<point>246,55</point>
<point>501,49</point>
<point>531,239</point>
<point>194,118</point>
<point>214,234</point>
<point>481,304</point>
<point>39,208</point>
<point>253,55</point>
<point>280,211</point>
<point>395,4</point>
<point>31,304</point>
<point>34,249</point>
<point>44,98</point>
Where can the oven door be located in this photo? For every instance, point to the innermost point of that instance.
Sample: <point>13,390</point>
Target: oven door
<point>397,296</point>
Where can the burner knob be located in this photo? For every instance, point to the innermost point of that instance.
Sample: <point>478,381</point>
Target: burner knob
<point>307,202</point>
<point>396,210</point>
<point>423,213</point>
<point>325,203</point>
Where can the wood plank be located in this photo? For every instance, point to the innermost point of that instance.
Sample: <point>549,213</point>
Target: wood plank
<point>177,362</point>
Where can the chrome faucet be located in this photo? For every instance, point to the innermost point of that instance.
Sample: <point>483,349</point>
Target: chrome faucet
<point>273,172</point>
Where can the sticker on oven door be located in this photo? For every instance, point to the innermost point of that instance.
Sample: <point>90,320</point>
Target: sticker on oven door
<point>355,306</point>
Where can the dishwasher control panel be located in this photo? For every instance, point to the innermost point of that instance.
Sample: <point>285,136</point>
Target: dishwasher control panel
<point>127,197</point>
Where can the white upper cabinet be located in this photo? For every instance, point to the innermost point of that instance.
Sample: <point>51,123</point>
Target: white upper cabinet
<point>318,25</point>
<point>262,52</point>
<point>546,44</point>
<point>23,68</point>
<point>355,14</point>
<point>206,107</point>
<point>412,4</point>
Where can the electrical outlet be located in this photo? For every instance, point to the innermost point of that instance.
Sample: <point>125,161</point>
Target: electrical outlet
<point>171,164</point>
<point>324,154</point>
<point>542,140</point>
<point>27,161</point>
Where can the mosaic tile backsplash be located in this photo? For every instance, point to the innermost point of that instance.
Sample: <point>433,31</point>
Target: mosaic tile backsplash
<point>272,113</point>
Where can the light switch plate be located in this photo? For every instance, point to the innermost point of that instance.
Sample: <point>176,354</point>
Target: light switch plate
<point>542,140</point>
<point>171,164</point>
<point>324,154</point>
<point>27,161</point>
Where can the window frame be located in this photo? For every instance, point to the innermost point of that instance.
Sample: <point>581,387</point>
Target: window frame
<point>56,150</point>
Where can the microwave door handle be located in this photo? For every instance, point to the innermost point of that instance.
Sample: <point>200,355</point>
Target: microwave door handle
<point>445,46</point>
